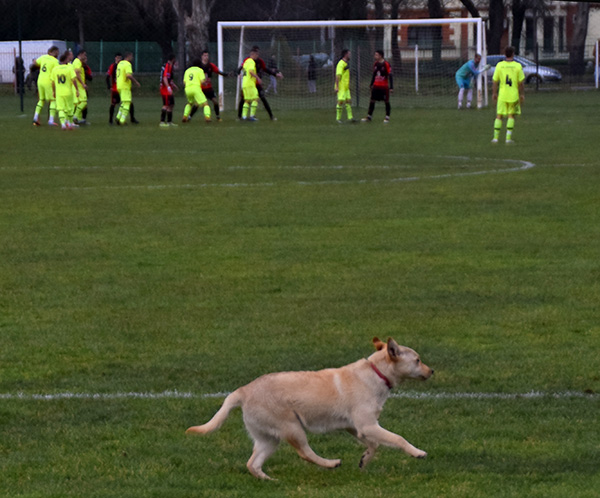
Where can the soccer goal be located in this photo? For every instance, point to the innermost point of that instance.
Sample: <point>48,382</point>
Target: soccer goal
<point>424,54</point>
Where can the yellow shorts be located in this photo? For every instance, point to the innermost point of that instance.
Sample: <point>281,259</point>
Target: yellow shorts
<point>504,108</point>
<point>125,94</point>
<point>195,95</point>
<point>250,92</point>
<point>45,92</point>
<point>65,103</point>
<point>82,95</point>
<point>343,94</point>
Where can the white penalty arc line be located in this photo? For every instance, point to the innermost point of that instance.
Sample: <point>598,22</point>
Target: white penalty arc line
<point>413,395</point>
<point>520,165</point>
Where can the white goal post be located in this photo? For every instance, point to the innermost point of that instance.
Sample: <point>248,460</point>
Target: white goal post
<point>458,43</point>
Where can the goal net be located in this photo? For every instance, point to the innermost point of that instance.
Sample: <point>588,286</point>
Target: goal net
<point>424,54</point>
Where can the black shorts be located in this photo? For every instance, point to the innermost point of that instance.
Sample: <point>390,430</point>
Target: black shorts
<point>209,93</point>
<point>168,100</point>
<point>380,94</point>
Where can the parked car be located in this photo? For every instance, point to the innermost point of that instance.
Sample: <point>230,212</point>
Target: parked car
<point>531,71</point>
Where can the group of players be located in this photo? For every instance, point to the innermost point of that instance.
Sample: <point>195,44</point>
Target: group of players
<point>62,84</point>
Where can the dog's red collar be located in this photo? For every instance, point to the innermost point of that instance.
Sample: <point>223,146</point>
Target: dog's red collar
<point>381,376</point>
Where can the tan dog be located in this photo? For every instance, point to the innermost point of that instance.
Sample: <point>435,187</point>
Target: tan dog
<point>283,405</point>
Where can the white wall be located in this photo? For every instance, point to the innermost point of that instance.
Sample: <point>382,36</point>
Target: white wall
<point>31,49</point>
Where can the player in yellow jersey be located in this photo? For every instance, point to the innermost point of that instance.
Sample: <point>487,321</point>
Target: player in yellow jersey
<point>124,79</point>
<point>64,80</point>
<point>508,92</point>
<point>46,63</point>
<point>342,87</point>
<point>79,64</point>
<point>193,79</point>
<point>249,81</point>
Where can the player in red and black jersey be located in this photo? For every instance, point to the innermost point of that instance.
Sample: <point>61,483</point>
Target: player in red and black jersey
<point>111,84</point>
<point>167,86</point>
<point>209,68</point>
<point>382,83</point>
<point>261,68</point>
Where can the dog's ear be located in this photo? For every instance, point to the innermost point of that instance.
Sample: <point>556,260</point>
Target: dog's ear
<point>379,344</point>
<point>393,350</point>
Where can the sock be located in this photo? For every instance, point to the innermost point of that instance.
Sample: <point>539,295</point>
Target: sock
<point>338,112</point>
<point>245,110</point>
<point>469,97</point>
<point>461,93</point>
<point>38,109</point>
<point>267,106</point>
<point>216,106</point>
<point>131,112</point>
<point>510,124</point>
<point>186,110</point>
<point>163,115</point>
<point>124,111</point>
<point>254,107</point>
<point>349,111</point>
<point>84,112</point>
<point>207,111</point>
<point>497,128</point>
<point>111,113</point>
<point>194,110</point>
<point>169,116</point>
<point>62,117</point>
<point>371,109</point>
<point>53,113</point>
<point>241,108</point>
<point>388,109</point>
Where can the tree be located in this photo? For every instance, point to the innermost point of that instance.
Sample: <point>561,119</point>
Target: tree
<point>494,39</point>
<point>577,49</point>
<point>436,11</point>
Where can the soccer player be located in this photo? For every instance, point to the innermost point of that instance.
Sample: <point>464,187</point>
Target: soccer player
<point>209,68</point>
<point>46,63</point>
<point>64,86</point>
<point>111,84</point>
<point>249,82</point>
<point>509,93</point>
<point>124,79</point>
<point>79,64</point>
<point>464,79</point>
<point>342,87</point>
<point>382,83</point>
<point>192,80</point>
<point>261,68</point>
<point>167,85</point>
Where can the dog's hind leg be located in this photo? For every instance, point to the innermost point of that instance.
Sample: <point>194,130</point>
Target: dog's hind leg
<point>263,449</point>
<point>298,440</point>
<point>367,455</point>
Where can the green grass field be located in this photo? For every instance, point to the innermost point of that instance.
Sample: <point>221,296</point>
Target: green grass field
<point>183,263</point>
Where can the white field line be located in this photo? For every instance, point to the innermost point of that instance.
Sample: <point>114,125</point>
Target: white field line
<point>519,165</point>
<point>426,396</point>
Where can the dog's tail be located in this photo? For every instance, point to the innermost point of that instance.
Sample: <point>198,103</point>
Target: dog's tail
<point>232,401</point>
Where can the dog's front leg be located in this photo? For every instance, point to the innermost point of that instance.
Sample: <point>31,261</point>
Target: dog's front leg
<point>375,435</point>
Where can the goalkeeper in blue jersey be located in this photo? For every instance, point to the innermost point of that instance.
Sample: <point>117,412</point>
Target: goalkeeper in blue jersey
<point>464,79</point>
